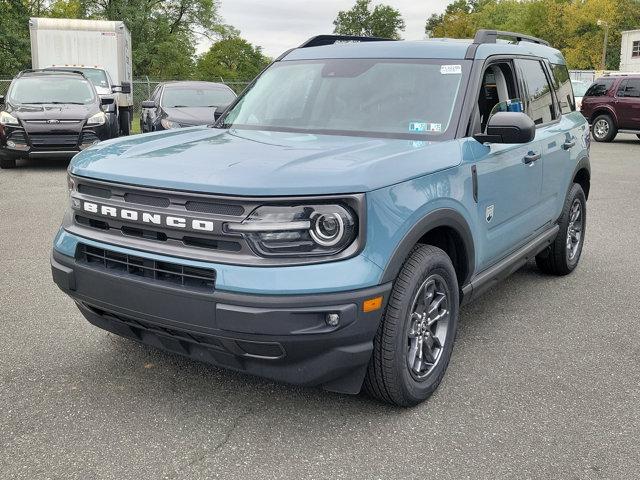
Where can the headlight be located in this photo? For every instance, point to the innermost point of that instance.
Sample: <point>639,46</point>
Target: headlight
<point>168,124</point>
<point>8,119</point>
<point>295,231</point>
<point>98,119</point>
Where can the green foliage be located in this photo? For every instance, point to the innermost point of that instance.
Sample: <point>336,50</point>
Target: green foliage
<point>383,21</point>
<point>15,47</point>
<point>231,59</point>
<point>570,25</point>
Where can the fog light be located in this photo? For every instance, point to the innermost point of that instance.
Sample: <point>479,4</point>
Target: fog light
<point>11,144</point>
<point>333,319</point>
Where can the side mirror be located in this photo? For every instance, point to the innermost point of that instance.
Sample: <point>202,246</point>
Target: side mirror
<point>148,104</point>
<point>125,88</point>
<point>1,99</point>
<point>107,101</point>
<point>508,127</point>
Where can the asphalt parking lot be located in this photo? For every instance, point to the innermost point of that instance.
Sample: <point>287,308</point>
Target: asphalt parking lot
<point>544,381</point>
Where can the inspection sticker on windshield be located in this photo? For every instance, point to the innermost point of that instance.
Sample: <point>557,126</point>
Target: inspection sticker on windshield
<point>421,127</point>
<point>450,69</point>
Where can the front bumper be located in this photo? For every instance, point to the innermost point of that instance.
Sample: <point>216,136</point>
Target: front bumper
<point>17,142</point>
<point>281,337</point>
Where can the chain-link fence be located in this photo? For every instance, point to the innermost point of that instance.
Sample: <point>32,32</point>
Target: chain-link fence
<point>141,88</point>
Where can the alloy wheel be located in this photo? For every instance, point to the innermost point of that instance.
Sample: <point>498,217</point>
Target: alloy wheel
<point>574,229</point>
<point>601,128</point>
<point>428,328</point>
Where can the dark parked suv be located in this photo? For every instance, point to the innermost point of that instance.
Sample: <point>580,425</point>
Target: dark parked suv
<point>612,105</point>
<point>50,114</point>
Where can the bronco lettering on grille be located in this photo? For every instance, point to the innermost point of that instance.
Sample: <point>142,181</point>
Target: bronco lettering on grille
<point>149,218</point>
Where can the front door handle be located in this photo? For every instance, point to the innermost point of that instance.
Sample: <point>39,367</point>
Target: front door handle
<point>531,157</point>
<point>569,144</point>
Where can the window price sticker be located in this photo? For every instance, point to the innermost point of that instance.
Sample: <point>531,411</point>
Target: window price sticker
<point>450,69</point>
<point>422,127</point>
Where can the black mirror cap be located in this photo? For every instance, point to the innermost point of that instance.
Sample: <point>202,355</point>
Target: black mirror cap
<point>107,101</point>
<point>1,99</point>
<point>124,88</point>
<point>508,127</point>
<point>148,104</point>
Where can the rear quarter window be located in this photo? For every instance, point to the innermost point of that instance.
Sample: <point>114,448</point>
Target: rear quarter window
<point>599,88</point>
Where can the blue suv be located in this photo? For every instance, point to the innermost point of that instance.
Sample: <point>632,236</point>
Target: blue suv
<point>327,229</point>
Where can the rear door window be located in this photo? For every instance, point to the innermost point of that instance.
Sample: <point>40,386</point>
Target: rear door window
<point>538,98</point>
<point>563,88</point>
<point>630,88</point>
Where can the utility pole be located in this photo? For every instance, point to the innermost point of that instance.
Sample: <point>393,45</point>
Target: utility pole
<point>603,63</point>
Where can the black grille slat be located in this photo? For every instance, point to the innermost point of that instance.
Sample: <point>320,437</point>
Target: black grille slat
<point>215,208</point>
<point>54,140</point>
<point>164,272</point>
<point>94,191</point>
<point>147,200</point>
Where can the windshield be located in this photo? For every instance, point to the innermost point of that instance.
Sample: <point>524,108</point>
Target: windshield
<point>174,97</point>
<point>47,89</point>
<point>579,88</point>
<point>95,75</point>
<point>370,97</point>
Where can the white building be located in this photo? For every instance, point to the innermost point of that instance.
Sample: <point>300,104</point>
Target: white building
<point>630,53</point>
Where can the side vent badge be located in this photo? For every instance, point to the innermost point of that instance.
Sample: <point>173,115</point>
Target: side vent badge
<point>489,213</point>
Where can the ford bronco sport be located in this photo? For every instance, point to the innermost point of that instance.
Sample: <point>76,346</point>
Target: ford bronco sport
<point>327,228</point>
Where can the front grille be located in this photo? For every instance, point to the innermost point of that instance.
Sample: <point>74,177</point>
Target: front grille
<point>147,200</point>
<point>215,208</point>
<point>194,278</point>
<point>54,140</point>
<point>94,191</point>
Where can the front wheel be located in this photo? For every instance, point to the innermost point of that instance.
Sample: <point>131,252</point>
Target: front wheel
<point>603,129</point>
<point>415,338</point>
<point>563,255</point>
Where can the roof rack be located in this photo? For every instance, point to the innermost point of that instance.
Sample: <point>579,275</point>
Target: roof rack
<point>491,36</point>
<point>50,70</point>
<point>320,40</point>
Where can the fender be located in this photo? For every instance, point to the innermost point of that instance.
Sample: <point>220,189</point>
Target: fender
<point>442,217</point>
<point>600,109</point>
<point>583,164</point>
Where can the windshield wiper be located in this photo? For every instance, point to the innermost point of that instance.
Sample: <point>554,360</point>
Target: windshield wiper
<point>52,103</point>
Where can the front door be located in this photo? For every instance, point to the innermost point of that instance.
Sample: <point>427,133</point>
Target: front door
<point>628,104</point>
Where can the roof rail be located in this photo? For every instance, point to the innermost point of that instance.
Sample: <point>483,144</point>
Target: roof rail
<point>320,40</point>
<point>491,36</point>
<point>50,70</point>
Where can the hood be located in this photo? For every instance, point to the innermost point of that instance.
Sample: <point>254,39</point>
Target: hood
<point>190,115</point>
<point>53,111</point>
<point>261,163</point>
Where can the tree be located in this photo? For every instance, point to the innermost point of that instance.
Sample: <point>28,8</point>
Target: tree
<point>383,21</point>
<point>569,25</point>
<point>231,59</point>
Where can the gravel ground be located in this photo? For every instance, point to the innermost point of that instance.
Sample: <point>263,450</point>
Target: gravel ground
<point>544,381</point>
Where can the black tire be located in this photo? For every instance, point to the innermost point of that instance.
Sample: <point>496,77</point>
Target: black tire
<point>603,128</point>
<point>125,122</point>
<point>389,377</point>
<point>7,162</point>
<point>559,259</point>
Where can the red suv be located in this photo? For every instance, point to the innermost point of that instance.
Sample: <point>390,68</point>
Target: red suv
<point>612,105</point>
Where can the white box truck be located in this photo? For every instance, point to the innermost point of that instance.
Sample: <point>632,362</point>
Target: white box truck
<point>100,49</point>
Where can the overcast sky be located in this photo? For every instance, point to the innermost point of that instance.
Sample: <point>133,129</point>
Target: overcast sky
<point>277,25</point>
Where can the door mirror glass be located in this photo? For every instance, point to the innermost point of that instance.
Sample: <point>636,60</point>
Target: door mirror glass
<point>508,127</point>
<point>107,101</point>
